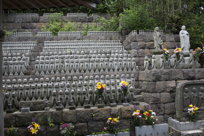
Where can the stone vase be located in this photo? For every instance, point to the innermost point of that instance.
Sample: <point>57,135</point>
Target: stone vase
<point>152,130</point>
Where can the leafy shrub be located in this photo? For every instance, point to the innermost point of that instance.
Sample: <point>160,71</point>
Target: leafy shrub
<point>69,26</point>
<point>57,24</point>
<point>55,17</point>
<point>111,24</point>
<point>136,18</point>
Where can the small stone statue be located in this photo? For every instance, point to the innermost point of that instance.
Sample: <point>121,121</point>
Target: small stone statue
<point>146,63</point>
<point>158,43</point>
<point>184,39</point>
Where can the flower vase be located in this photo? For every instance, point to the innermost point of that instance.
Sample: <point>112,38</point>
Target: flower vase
<point>177,56</point>
<point>100,101</point>
<point>125,92</point>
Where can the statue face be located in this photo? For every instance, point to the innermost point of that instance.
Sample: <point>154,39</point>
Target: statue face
<point>183,27</point>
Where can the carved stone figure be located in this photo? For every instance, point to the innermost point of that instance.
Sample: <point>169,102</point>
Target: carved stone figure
<point>158,43</point>
<point>184,39</point>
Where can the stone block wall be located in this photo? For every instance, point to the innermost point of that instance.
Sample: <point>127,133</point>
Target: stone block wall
<point>86,121</point>
<point>142,44</point>
<point>158,87</point>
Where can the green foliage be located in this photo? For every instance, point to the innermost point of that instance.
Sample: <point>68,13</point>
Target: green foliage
<point>8,33</point>
<point>55,17</point>
<point>111,24</point>
<point>69,26</point>
<point>136,19</point>
<point>57,24</point>
<point>11,131</point>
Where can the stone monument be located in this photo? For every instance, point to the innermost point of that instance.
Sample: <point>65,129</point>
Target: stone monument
<point>184,40</point>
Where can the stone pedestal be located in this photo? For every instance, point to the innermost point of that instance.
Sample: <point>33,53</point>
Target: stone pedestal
<point>178,128</point>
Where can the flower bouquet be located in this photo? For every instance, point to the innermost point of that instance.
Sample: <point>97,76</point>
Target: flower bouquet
<point>199,55</point>
<point>149,117</point>
<point>166,54</point>
<point>67,129</point>
<point>124,87</point>
<point>192,112</point>
<point>100,87</point>
<point>177,52</point>
<point>34,128</point>
<point>137,118</point>
<point>112,125</point>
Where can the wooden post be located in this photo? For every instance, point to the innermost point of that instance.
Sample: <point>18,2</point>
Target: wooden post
<point>1,92</point>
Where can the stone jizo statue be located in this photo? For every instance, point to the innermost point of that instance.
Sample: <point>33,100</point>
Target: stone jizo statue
<point>158,43</point>
<point>184,39</point>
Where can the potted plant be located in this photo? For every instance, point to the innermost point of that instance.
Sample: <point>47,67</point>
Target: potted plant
<point>145,124</point>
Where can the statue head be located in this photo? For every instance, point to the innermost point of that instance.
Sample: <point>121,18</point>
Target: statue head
<point>156,29</point>
<point>183,27</point>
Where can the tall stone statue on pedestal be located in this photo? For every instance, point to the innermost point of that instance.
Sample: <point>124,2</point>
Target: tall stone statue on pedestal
<point>184,40</point>
<point>158,43</point>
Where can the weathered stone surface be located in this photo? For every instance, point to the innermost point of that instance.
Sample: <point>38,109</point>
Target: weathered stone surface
<point>126,112</point>
<point>69,116</point>
<point>149,86</point>
<point>160,119</point>
<point>189,74</point>
<point>166,74</point>
<point>52,131</point>
<point>101,114</point>
<point>84,115</point>
<point>23,119</point>
<point>169,108</point>
<point>169,38</point>
<point>82,128</point>
<point>9,120</point>
<point>152,98</point>
<point>95,126</point>
<point>177,74</point>
<point>124,124</point>
<point>158,108</point>
<point>171,86</point>
<point>140,53</point>
<point>166,98</point>
<point>199,73</point>
<point>160,86</point>
<point>57,116</point>
<point>140,38</point>
<point>115,111</point>
<point>34,105</point>
<point>150,45</point>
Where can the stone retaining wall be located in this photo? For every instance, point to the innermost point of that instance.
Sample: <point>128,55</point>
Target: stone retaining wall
<point>158,87</point>
<point>86,121</point>
<point>141,44</point>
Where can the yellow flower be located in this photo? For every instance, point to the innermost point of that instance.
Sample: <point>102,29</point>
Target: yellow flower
<point>125,83</point>
<point>137,111</point>
<point>145,113</point>
<point>115,120</point>
<point>103,85</point>
<point>33,131</point>
<point>190,105</point>
<point>36,126</point>
<point>196,108</point>
<point>109,118</point>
